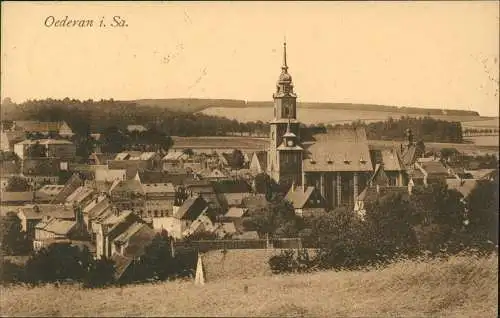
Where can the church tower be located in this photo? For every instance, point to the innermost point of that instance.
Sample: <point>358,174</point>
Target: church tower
<point>285,152</point>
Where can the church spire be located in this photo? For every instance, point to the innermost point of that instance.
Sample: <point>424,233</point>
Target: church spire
<point>285,66</point>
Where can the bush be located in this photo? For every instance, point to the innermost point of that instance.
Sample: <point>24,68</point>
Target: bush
<point>100,274</point>
<point>10,272</point>
<point>288,262</point>
<point>284,262</point>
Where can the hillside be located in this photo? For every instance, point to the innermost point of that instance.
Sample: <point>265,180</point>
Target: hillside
<point>459,287</point>
<point>194,105</point>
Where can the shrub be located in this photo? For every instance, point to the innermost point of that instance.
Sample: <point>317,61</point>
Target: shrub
<point>10,272</point>
<point>100,274</point>
<point>285,262</point>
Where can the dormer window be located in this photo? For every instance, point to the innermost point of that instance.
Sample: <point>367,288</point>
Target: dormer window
<point>330,161</point>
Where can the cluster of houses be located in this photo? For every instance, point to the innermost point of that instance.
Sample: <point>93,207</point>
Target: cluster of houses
<point>116,203</point>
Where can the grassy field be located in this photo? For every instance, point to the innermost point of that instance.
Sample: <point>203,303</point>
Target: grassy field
<point>337,116</point>
<point>462,286</point>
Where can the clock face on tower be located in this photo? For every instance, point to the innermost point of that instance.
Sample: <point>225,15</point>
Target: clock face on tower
<point>290,143</point>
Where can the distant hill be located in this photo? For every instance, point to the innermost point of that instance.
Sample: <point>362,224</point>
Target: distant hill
<point>195,105</point>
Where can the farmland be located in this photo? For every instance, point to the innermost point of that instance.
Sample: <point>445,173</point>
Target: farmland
<point>336,116</point>
<point>489,144</point>
<point>462,286</point>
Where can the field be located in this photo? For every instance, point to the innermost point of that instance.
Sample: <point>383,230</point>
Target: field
<point>477,145</point>
<point>462,286</point>
<point>333,116</point>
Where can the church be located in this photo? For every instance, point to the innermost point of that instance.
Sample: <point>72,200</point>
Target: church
<point>338,163</point>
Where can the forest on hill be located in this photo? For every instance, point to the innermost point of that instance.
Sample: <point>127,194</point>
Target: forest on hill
<point>192,105</point>
<point>90,116</point>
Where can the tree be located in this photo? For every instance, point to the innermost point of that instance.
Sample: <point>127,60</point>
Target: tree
<point>278,219</point>
<point>390,219</point>
<point>157,261</point>
<point>13,239</point>
<point>482,204</point>
<point>84,146</point>
<point>100,273</point>
<point>266,185</point>
<point>59,262</point>
<point>237,159</point>
<point>113,140</point>
<point>17,184</point>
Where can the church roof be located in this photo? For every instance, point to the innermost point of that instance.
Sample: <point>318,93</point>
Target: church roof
<point>342,149</point>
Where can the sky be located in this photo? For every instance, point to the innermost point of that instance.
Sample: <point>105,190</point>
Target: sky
<point>424,54</point>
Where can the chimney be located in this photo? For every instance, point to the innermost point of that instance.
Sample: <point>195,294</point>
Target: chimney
<point>378,188</point>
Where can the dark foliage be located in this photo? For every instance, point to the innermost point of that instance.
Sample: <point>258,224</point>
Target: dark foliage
<point>13,239</point>
<point>10,273</point>
<point>237,159</point>
<point>17,184</point>
<point>426,128</point>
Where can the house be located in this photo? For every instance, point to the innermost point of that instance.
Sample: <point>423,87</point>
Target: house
<point>145,160</point>
<point>16,198</point>
<point>128,195</point>
<point>133,240</point>
<point>173,159</point>
<point>97,158</point>
<point>110,175</point>
<point>484,174</point>
<point>130,166</point>
<point>388,169</point>
<point>213,174</point>
<point>54,148</point>
<point>96,209</point>
<point>232,192</point>
<point>205,189</point>
<point>433,171</point>
<point>137,128</point>
<point>31,215</point>
<point>183,216</point>
<point>41,171</point>
<point>191,208</point>
<point>9,138</point>
<point>225,230</point>
<point>464,186</point>
<point>48,193</point>
<point>60,128</point>
<point>258,162</point>
<point>306,202</point>
<point>52,228</point>
<point>159,199</point>
<point>235,215</point>
<point>202,223</point>
<point>81,196</point>
<point>110,227</point>
<point>73,183</point>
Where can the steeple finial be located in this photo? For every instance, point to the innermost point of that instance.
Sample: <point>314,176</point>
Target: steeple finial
<point>285,66</point>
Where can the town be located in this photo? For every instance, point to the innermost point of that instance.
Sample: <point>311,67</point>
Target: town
<point>115,204</point>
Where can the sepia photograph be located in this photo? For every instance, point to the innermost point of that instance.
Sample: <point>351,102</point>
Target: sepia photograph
<point>249,159</point>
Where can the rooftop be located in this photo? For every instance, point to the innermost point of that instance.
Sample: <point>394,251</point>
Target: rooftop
<point>351,151</point>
